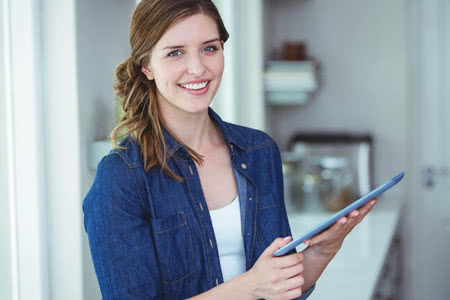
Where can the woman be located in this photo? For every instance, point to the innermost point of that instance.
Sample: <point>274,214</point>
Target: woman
<point>189,205</point>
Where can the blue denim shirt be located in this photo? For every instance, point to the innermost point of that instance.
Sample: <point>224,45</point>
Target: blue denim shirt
<point>151,237</point>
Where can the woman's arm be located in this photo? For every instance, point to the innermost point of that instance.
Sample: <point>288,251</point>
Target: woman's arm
<point>121,244</point>
<point>270,278</point>
<point>236,288</point>
<point>323,247</point>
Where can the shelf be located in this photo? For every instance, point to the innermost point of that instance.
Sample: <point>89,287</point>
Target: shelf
<point>289,82</point>
<point>286,97</point>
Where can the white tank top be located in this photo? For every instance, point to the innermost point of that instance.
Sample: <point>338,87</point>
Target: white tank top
<point>226,222</point>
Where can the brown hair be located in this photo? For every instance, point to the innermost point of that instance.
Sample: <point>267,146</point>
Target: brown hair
<point>142,119</point>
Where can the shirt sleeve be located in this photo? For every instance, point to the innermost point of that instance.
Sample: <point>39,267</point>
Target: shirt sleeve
<point>307,293</point>
<point>284,217</point>
<point>120,240</point>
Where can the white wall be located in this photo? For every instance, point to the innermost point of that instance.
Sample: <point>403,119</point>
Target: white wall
<point>102,29</point>
<point>361,47</point>
<point>5,253</point>
<point>62,149</point>
<point>249,94</point>
<point>238,94</point>
<point>241,89</point>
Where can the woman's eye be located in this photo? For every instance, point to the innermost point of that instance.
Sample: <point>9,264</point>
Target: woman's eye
<point>211,49</point>
<point>174,53</point>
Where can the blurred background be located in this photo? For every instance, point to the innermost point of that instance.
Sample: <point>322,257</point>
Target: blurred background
<point>353,92</point>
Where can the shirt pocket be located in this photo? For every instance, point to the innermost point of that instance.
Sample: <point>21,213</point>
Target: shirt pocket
<point>268,220</point>
<point>174,249</point>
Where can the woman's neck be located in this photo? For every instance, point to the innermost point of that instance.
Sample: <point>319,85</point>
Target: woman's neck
<point>196,130</point>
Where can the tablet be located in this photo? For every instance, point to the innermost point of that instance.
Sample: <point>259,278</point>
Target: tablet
<point>342,213</point>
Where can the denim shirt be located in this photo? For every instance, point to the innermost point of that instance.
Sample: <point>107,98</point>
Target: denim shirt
<point>151,237</point>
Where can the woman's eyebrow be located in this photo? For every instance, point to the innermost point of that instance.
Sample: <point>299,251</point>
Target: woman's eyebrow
<point>181,46</point>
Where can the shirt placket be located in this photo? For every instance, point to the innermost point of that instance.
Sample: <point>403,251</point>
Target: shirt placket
<point>197,196</point>
<point>249,193</point>
<point>248,197</point>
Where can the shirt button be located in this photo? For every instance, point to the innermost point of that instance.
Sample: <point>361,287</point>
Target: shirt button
<point>250,198</point>
<point>190,170</point>
<point>244,166</point>
<point>201,206</point>
<point>210,242</point>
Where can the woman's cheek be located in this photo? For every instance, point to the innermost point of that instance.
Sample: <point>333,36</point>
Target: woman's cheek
<point>176,70</point>
<point>218,64</point>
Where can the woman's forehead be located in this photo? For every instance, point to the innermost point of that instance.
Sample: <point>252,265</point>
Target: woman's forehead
<point>191,30</point>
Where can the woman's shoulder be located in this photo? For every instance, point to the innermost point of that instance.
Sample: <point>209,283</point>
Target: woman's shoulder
<point>118,164</point>
<point>128,154</point>
<point>115,175</point>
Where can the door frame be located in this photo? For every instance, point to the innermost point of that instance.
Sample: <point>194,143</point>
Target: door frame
<point>43,143</point>
<point>26,170</point>
<point>428,42</point>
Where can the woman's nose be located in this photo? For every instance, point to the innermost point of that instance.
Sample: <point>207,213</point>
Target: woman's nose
<point>196,65</point>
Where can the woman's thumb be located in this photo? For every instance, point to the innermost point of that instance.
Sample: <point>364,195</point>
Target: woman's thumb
<point>277,244</point>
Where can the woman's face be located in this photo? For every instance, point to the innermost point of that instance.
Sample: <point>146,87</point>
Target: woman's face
<point>187,64</point>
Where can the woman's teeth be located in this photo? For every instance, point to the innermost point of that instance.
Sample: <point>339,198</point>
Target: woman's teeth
<point>194,86</point>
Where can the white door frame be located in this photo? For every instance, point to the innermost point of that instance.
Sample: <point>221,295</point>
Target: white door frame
<point>8,235</point>
<point>26,149</point>
<point>62,148</point>
<point>428,36</point>
<point>44,149</point>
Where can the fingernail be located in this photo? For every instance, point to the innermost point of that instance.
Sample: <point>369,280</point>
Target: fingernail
<point>343,221</point>
<point>356,213</point>
<point>372,202</point>
<point>286,238</point>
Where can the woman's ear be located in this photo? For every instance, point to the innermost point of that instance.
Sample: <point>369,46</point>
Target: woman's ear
<point>148,73</point>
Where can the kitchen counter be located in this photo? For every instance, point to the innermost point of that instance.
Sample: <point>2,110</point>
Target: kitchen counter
<point>354,271</point>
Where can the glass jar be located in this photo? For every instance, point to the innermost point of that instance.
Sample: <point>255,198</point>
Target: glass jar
<point>336,183</point>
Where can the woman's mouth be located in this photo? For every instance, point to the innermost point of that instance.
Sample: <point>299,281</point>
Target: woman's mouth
<point>196,88</point>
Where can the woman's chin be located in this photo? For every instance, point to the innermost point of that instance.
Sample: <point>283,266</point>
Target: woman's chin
<point>198,106</point>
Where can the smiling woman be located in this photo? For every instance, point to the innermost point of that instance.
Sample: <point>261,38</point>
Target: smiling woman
<point>180,207</point>
<point>147,214</point>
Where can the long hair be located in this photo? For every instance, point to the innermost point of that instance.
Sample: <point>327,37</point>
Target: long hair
<point>142,119</point>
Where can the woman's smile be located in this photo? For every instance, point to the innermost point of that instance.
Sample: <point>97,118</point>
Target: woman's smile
<point>197,88</point>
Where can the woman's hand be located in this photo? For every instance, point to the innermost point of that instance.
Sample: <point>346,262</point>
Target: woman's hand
<point>330,241</point>
<point>277,277</point>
